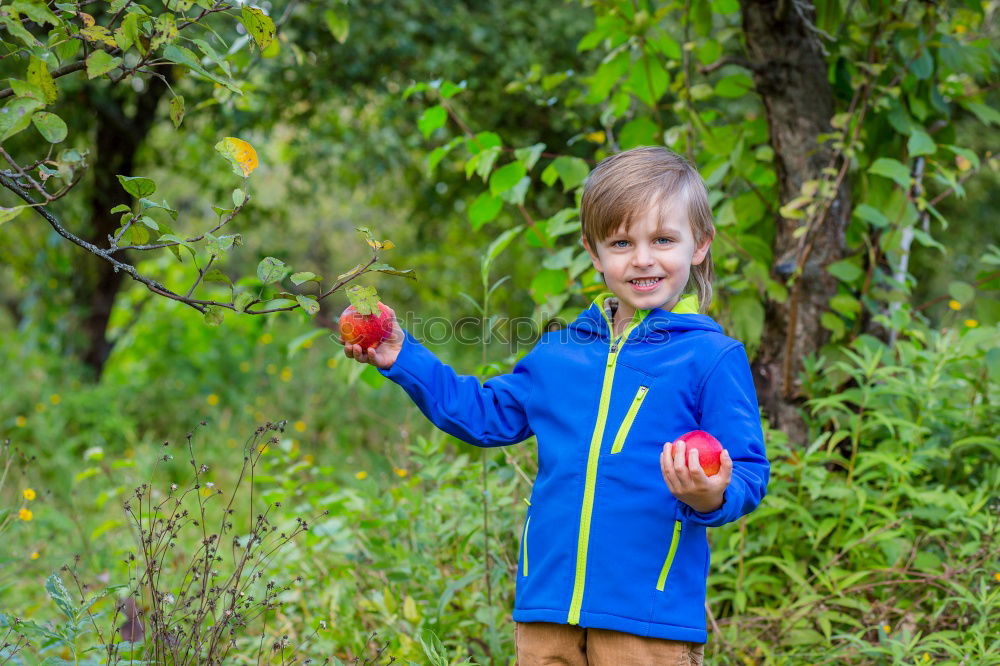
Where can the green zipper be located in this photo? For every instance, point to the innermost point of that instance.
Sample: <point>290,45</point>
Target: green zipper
<point>661,581</point>
<point>626,425</point>
<point>587,508</point>
<point>524,544</point>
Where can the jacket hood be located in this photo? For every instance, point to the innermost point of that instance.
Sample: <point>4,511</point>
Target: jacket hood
<point>594,320</point>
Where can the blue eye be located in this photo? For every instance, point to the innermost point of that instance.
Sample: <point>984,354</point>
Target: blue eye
<point>666,240</point>
<point>616,243</point>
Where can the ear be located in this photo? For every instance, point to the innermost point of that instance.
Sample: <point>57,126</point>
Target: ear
<point>702,250</point>
<point>593,256</point>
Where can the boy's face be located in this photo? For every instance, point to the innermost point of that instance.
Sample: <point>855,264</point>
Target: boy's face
<point>648,266</point>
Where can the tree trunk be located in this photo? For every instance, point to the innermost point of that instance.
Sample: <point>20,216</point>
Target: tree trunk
<point>790,74</point>
<point>118,138</point>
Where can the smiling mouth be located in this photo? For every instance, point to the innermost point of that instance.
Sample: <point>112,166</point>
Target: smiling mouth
<point>647,282</point>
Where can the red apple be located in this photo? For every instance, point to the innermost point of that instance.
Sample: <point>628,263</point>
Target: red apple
<point>709,450</point>
<point>367,330</point>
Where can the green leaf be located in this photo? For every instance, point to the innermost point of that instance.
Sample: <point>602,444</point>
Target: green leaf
<point>100,62</point>
<point>272,270</point>
<point>137,186</point>
<point>338,24</point>
<point>389,270</point>
<point>8,214</point>
<point>308,304</point>
<point>529,156</point>
<point>872,215</point>
<point>50,126</point>
<point>364,299</point>
<point>239,196</point>
<point>258,24</point>
<point>648,80</point>
<point>449,89</point>
<point>177,110</point>
<point>844,271</point>
<point>734,86</point>
<point>304,276</point>
<point>572,171</point>
<point>495,248</point>
<point>186,57</point>
<point>963,292</point>
<point>243,301</point>
<point>214,315</point>
<point>986,114</point>
<point>484,209</point>
<point>217,276</point>
<point>298,343</point>
<point>121,208</point>
<point>892,169</point>
<point>747,313</point>
<point>61,596</point>
<point>37,12</point>
<point>25,89</point>
<point>920,143</point>
<point>16,115</point>
<point>431,119</point>
<point>506,177</point>
<point>546,283</point>
<point>13,24</point>
<point>639,132</point>
<point>38,75</point>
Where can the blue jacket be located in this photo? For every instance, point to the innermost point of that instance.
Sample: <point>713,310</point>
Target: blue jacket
<point>605,544</point>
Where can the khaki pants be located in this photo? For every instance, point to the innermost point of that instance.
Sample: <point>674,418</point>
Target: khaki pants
<point>547,644</point>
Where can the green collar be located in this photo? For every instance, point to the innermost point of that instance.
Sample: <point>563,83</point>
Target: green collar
<point>687,305</point>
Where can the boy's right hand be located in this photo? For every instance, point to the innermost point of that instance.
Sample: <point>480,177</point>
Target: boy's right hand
<point>382,356</point>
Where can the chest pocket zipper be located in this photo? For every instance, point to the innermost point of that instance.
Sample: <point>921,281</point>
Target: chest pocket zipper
<point>626,425</point>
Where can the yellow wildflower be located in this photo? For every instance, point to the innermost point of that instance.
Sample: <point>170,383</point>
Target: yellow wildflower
<point>286,374</point>
<point>55,398</point>
<point>885,628</point>
<point>971,323</point>
<point>21,421</point>
<point>245,366</point>
<point>927,656</point>
<point>361,476</point>
<point>331,363</point>
<point>29,494</point>
<point>39,407</point>
<point>34,555</point>
<point>400,472</point>
<point>307,344</point>
<point>212,399</point>
<point>960,28</point>
<point>954,305</point>
<point>266,339</point>
<point>996,577</point>
<point>25,514</point>
<point>308,458</point>
<point>271,368</point>
<point>300,426</point>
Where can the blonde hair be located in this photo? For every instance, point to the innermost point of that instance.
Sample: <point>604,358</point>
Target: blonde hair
<point>624,186</point>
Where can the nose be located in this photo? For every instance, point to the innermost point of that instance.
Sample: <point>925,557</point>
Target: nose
<point>642,256</point>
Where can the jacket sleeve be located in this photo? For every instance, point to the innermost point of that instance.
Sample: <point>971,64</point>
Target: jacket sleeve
<point>489,414</point>
<point>729,411</point>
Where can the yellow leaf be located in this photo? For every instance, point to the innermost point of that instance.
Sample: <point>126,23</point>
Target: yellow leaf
<point>240,154</point>
<point>98,33</point>
<point>87,19</point>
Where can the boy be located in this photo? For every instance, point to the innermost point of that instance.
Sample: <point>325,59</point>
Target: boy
<point>613,563</point>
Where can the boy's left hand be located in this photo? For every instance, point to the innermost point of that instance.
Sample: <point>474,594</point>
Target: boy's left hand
<point>688,483</point>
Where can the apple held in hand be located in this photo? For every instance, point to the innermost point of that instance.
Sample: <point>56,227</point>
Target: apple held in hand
<point>366,321</point>
<point>709,450</point>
